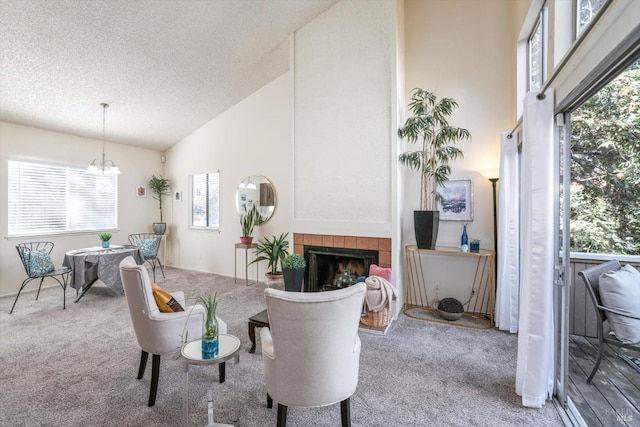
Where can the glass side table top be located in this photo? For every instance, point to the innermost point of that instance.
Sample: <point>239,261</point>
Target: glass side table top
<point>228,347</point>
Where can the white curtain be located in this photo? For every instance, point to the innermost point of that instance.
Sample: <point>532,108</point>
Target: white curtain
<point>535,366</point>
<point>508,279</point>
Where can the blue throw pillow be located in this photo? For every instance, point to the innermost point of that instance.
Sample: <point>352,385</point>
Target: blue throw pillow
<point>147,247</point>
<point>38,262</point>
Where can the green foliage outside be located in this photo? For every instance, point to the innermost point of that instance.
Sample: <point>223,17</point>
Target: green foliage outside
<point>605,169</point>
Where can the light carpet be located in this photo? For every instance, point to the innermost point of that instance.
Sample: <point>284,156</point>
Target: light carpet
<point>78,367</point>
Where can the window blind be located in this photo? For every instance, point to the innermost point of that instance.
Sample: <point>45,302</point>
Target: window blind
<point>46,198</point>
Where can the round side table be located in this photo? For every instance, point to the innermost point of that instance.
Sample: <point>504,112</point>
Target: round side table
<point>228,348</point>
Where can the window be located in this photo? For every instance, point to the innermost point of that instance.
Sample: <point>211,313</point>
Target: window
<point>46,198</point>
<point>205,200</point>
<point>585,11</point>
<point>535,55</point>
<point>605,169</point>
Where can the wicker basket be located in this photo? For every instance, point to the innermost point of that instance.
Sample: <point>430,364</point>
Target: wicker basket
<point>377,318</point>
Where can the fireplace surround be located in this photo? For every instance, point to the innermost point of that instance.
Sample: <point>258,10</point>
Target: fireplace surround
<point>352,252</point>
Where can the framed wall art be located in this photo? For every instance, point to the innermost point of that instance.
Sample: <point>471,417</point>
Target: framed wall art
<point>457,200</point>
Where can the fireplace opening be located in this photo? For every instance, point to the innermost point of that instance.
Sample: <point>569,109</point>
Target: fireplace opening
<point>335,268</point>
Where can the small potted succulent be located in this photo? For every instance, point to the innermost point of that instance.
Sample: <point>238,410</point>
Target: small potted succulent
<point>450,309</point>
<point>474,245</point>
<point>105,237</point>
<point>293,267</point>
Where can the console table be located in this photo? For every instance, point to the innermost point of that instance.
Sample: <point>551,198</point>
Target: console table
<point>435,274</point>
<point>246,262</point>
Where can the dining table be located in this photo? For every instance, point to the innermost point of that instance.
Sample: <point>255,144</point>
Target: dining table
<point>97,263</point>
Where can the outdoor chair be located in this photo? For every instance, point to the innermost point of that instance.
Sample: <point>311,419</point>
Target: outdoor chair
<point>311,349</point>
<point>591,277</point>
<point>148,244</point>
<point>36,259</point>
<point>159,332</point>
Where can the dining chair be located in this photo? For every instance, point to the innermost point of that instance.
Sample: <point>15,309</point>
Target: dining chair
<point>311,348</point>
<point>148,244</point>
<point>36,260</point>
<point>158,332</point>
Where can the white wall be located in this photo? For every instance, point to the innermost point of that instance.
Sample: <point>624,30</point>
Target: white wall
<point>463,50</point>
<point>344,109</point>
<point>134,214</point>
<point>253,137</point>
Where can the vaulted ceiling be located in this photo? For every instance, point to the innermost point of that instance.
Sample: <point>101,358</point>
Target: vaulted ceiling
<point>166,67</point>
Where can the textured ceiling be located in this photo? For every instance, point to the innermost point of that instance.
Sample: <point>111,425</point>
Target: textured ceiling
<point>165,67</point>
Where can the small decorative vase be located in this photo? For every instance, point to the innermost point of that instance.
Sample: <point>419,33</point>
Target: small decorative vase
<point>105,244</point>
<point>464,240</point>
<point>210,335</point>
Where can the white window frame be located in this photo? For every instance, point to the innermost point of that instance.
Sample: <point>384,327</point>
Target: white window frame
<point>205,195</point>
<point>75,201</point>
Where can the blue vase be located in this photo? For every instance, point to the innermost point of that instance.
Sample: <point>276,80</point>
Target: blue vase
<point>210,335</point>
<point>105,244</point>
<point>209,347</point>
<point>464,240</point>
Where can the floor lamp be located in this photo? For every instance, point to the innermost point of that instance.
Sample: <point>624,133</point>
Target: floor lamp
<point>492,175</point>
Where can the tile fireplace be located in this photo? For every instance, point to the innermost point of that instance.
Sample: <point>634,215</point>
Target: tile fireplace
<point>329,256</point>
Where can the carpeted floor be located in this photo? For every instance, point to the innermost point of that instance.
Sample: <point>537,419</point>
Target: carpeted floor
<point>78,367</point>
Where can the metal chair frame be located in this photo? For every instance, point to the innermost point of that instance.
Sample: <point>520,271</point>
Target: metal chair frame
<point>25,250</point>
<point>591,278</point>
<point>153,261</point>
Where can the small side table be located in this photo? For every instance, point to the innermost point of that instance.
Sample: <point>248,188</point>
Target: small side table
<point>228,348</point>
<point>260,320</point>
<point>246,262</point>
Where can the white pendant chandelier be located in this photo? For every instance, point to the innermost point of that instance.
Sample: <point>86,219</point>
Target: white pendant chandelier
<point>105,166</point>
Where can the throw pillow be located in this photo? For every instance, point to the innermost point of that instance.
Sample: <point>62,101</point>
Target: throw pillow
<point>385,273</point>
<point>620,290</point>
<point>147,247</point>
<point>165,301</point>
<point>38,262</point>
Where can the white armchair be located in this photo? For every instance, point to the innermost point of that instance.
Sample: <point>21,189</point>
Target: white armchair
<point>311,350</point>
<point>159,333</point>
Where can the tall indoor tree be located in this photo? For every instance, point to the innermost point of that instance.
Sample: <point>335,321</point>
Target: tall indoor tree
<point>429,126</point>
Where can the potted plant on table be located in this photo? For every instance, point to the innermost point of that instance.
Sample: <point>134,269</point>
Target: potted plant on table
<point>159,187</point>
<point>210,346</point>
<point>293,270</point>
<point>274,251</point>
<point>248,220</point>
<point>429,125</point>
<point>105,237</point>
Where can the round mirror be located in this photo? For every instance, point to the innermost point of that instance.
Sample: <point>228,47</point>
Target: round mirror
<point>256,190</point>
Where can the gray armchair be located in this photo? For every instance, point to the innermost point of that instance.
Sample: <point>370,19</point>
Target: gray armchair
<point>591,277</point>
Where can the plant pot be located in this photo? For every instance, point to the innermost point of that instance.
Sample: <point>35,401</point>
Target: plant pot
<point>159,227</point>
<point>246,240</point>
<point>293,279</point>
<point>425,224</point>
<point>105,244</point>
<point>274,280</point>
<point>474,247</point>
